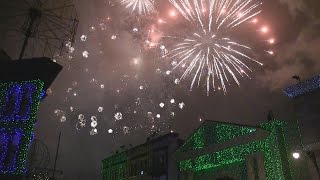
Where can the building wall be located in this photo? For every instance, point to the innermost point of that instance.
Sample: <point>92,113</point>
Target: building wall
<point>307,112</point>
<point>267,158</point>
<point>19,102</point>
<point>147,161</point>
<point>236,171</point>
<point>115,167</point>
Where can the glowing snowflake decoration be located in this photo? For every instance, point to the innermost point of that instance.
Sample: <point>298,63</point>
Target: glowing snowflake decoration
<point>71,49</point>
<point>118,116</point>
<point>110,131</point>
<point>85,54</point>
<point>94,124</point>
<point>83,38</point>
<point>161,105</point>
<point>94,132</point>
<point>125,129</point>
<point>94,118</point>
<point>81,117</point>
<point>100,109</point>
<point>181,105</point>
<point>69,90</point>
<point>92,28</point>
<point>63,119</point>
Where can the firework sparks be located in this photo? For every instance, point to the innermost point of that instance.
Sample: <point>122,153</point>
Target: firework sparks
<point>209,51</point>
<point>140,6</point>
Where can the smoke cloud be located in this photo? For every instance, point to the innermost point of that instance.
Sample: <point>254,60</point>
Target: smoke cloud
<point>307,7</point>
<point>301,56</point>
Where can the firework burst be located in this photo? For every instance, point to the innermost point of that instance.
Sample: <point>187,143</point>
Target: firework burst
<point>140,6</point>
<point>210,50</point>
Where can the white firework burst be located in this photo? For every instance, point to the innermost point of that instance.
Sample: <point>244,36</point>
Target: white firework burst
<point>209,50</point>
<point>140,6</point>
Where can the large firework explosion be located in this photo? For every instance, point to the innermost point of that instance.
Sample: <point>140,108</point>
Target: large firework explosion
<point>209,48</point>
<point>140,93</point>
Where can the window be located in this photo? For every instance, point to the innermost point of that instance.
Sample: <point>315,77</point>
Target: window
<point>18,101</point>
<point>12,150</point>
<point>26,101</point>
<point>11,99</point>
<point>163,177</point>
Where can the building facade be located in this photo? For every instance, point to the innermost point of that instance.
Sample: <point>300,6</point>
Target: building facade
<point>219,150</point>
<point>305,98</point>
<point>305,101</point>
<point>149,161</point>
<point>22,86</point>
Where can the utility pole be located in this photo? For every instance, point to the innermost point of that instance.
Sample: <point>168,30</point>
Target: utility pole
<point>34,14</point>
<point>55,160</point>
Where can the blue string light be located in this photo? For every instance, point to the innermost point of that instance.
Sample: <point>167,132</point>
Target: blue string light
<point>19,102</point>
<point>302,88</point>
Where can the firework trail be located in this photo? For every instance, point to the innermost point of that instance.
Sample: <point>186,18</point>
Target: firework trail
<point>209,50</point>
<point>141,6</point>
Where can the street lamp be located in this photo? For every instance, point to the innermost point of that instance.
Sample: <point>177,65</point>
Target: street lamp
<point>296,155</point>
<point>308,155</point>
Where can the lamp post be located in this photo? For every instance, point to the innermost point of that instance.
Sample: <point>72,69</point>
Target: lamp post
<point>309,155</point>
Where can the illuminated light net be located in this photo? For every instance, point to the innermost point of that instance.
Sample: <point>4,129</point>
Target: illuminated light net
<point>140,6</point>
<point>209,49</point>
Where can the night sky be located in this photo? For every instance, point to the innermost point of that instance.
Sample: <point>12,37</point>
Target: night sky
<point>125,78</point>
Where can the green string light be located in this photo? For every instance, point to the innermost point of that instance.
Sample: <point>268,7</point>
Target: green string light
<point>269,147</point>
<point>115,167</point>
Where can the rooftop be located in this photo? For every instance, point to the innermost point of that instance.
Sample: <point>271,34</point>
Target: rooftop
<point>42,68</point>
<point>303,88</point>
<point>148,142</point>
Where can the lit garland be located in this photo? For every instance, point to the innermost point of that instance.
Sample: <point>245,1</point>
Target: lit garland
<point>302,88</point>
<point>19,102</point>
<point>230,131</point>
<point>200,137</point>
<point>116,164</point>
<point>236,171</point>
<point>270,147</point>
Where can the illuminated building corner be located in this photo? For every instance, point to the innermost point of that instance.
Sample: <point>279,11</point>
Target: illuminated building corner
<point>22,86</point>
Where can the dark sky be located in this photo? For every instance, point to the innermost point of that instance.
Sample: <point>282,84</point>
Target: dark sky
<point>295,25</point>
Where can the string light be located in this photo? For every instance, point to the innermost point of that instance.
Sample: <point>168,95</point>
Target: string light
<point>271,147</point>
<point>116,166</point>
<point>308,86</point>
<point>19,102</point>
